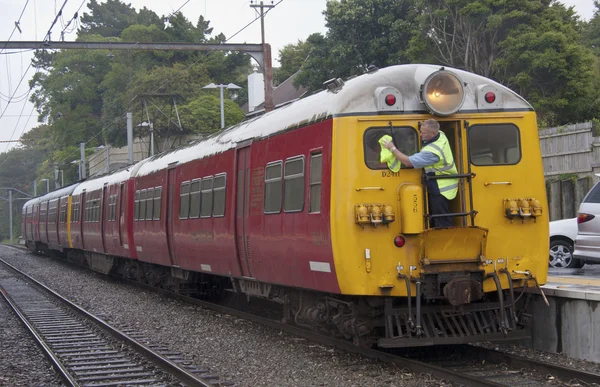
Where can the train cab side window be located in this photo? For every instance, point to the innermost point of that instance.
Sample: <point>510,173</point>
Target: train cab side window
<point>219,183</point>
<point>184,200</point>
<point>143,205</point>
<point>494,144</point>
<point>137,205</point>
<point>149,204</point>
<point>293,190</point>
<point>273,189</point>
<point>157,202</point>
<point>195,199</point>
<point>316,171</point>
<point>207,197</point>
<point>405,139</point>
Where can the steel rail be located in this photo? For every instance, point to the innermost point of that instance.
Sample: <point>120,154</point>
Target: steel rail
<point>413,365</point>
<point>165,364</point>
<point>416,366</point>
<point>56,363</point>
<point>555,370</point>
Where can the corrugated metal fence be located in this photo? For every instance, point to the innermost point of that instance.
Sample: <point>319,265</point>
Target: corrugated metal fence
<point>571,157</point>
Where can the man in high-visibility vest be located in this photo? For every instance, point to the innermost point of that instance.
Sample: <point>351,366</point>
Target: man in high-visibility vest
<point>436,158</point>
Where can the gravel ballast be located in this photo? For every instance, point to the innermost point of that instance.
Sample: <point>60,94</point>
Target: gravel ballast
<point>244,352</point>
<point>237,350</point>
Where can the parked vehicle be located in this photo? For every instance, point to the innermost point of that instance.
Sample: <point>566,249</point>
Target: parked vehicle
<point>587,243</point>
<point>562,240</point>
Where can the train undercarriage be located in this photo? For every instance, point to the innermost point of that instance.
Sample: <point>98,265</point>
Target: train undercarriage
<point>389,322</point>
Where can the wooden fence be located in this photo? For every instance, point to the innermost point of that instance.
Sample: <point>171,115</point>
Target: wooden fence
<point>571,157</point>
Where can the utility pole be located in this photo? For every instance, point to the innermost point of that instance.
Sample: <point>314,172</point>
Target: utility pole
<point>130,137</point>
<point>10,222</point>
<point>267,69</point>
<point>82,151</point>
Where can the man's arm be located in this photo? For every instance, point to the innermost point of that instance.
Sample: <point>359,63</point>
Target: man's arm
<point>404,159</point>
<point>418,160</point>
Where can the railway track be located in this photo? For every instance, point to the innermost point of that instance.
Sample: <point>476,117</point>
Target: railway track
<point>88,352</point>
<point>464,365</point>
<point>459,365</point>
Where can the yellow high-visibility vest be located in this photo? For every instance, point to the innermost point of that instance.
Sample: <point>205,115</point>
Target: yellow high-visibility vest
<point>444,166</point>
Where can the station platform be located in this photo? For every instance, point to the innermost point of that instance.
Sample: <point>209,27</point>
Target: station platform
<point>583,284</point>
<point>571,323</point>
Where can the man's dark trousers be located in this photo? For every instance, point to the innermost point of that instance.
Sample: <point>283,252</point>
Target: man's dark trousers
<point>438,204</point>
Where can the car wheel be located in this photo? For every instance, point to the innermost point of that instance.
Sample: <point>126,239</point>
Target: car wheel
<point>561,254</point>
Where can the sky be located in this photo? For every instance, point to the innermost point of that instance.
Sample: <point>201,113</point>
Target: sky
<point>287,23</point>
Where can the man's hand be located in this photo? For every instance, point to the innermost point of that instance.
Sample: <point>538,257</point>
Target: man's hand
<point>388,145</point>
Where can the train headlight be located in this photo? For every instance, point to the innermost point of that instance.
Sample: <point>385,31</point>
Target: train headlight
<point>443,93</point>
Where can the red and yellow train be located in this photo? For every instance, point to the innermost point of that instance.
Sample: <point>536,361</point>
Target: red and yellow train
<point>295,206</point>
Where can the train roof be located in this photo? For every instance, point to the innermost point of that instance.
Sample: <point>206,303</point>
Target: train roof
<point>356,96</point>
<point>65,191</point>
<point>101,181</point>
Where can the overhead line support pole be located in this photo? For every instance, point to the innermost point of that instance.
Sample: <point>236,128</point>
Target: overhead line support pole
<point>267,68</point>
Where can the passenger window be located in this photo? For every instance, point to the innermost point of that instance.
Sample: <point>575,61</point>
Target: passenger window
<point>316,165</point>
<point>157,202</point>
<point>219,195</point>
<point>149,204</point>
<point>143,205</point>
<point>137,205</point>
<point>206,201</point>
<point>273,188</point>
<point>184,200</point>
<point>494,144</point>
<point>293,189</point>
<point>405,139</point>
<point>195,199</point>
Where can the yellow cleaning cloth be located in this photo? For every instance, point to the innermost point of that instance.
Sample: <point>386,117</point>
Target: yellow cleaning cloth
<point>386,155</point>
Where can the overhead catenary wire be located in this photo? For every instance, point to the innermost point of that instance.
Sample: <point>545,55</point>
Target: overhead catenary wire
<point>17,25</point>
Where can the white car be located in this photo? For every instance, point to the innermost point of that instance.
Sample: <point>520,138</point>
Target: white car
<point>562,238</point>
<point>587,243</point>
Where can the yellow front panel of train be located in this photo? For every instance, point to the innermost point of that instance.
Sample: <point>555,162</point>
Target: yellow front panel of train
<point>378,228</point>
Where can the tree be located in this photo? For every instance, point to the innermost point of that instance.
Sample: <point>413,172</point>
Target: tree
<point>468,34</point>
<point>110,18</point>
<point>547,64</point>
<point>291,58</point>
<point>203,115</point>
<point>591,31</point>
<point>361,33</point>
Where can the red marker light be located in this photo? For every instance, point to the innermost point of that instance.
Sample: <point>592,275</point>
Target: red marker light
<point>490,97</point>
<point>399,241</point>
<point>390,99</point>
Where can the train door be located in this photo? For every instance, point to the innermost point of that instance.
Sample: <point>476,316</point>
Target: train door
<point>241,211</point>
<point>103,218</point>
<point>36,222</point>
<point>459,205</point>
<point>82,217</point>
<point>121,213</point>
<point>170,215</point>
